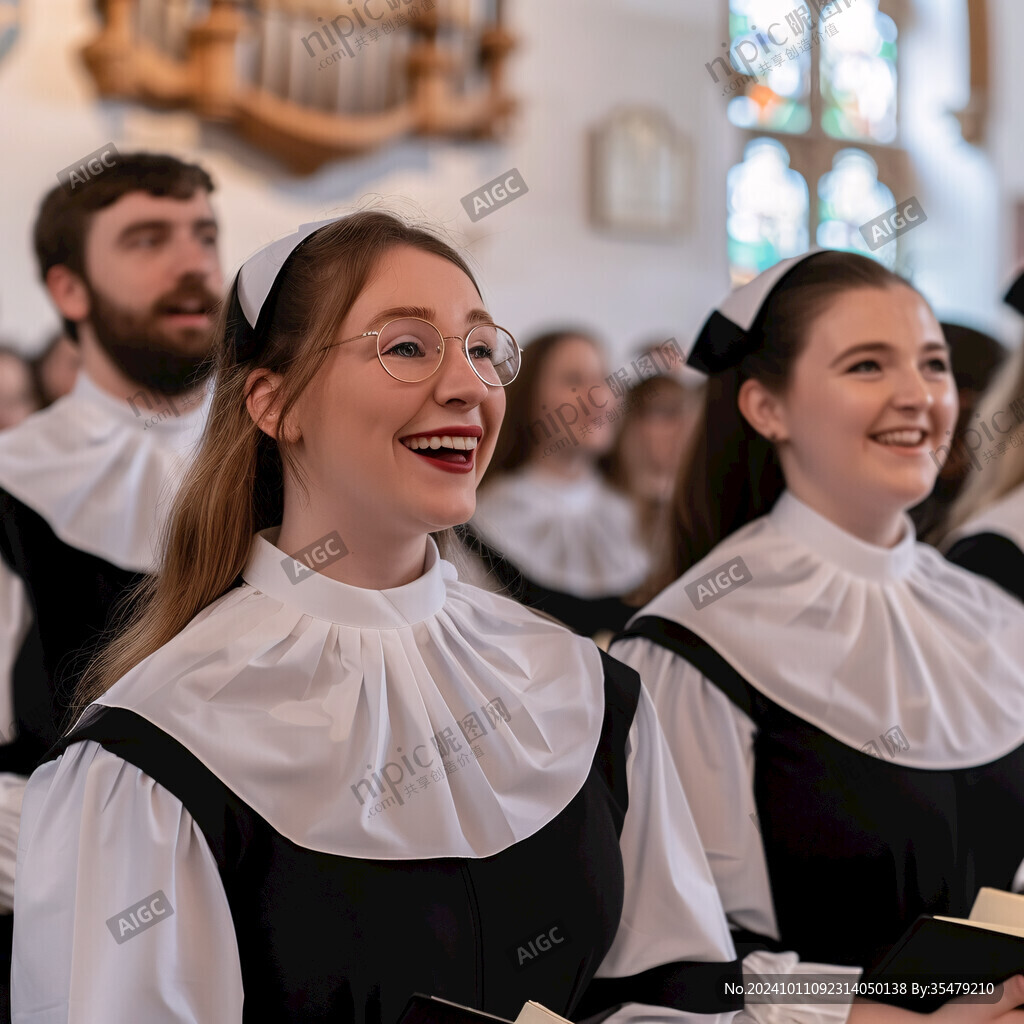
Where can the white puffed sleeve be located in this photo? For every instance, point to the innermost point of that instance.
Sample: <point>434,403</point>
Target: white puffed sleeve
<point>15,620</point>
<point>711,747</point>
<point>712,744</point>
<point>12,788</point>
<point>119,909</point>
<point>671,910</point>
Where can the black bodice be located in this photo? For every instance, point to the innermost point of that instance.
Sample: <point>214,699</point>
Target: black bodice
<point>73,596</point>
<point>858,845</point>
<point>994,556</point>
<point>323,937</point>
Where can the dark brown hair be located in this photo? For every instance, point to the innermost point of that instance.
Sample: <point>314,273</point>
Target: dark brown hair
<point>639,400</point>
<point>733,474</point>
<point>63,219</point>
<point>516,440</point>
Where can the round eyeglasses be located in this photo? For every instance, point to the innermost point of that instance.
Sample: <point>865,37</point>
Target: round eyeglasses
<point>411,349</point>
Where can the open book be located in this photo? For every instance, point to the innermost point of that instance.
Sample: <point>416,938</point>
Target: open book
<point>432,1010</point>
<point>943,958</point>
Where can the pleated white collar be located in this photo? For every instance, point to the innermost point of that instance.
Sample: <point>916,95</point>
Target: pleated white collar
<point>576,536</point>
<point>429,720</point>
<point>1004,517</point>
<point>101,475</point>
<point>860,640</point>
<point>270,572</point>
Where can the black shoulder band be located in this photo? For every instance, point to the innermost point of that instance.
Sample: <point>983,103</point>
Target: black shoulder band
<point>682,641</point>
<point>226,822</point>
<point>622,696</point>
<point>8,553</point>
<point>688,985</point>
<point>994,556</point>
<point>685,985</point>
<point>1015,296</point>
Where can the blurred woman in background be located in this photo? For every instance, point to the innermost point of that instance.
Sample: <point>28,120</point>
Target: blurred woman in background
<point>18,398</point>
<point>648,449</point>
<point>984,531</point>
<point>549,525</point>
<point>56,368</point>
<point>976,358</point>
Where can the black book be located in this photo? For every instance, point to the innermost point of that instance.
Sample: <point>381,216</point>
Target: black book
<point>943,958</point>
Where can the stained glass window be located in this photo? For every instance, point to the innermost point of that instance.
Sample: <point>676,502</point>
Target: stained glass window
<point>848,196</point>
<point>768,210</point>
<point>769,52</point>
<point>776,51</point>
<point>858,71</point>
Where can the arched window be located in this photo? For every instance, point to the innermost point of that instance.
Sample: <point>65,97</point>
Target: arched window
<point>858,76</point>
<point>848,196</point>
<point>777,98</point>
<point>768,210</point>
<point>808,79</point>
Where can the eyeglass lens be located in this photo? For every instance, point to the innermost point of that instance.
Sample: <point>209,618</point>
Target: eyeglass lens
<point>411,351</point>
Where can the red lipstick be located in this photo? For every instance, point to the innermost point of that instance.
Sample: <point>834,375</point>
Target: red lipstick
<point>451,460</point>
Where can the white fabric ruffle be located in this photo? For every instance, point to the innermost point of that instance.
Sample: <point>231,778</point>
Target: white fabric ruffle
<point>101,476</point>
<point>860,640</point>
<point>415,721</point>
<point>577,536</point>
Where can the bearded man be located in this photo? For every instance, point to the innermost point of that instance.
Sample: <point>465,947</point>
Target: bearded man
<point>130,261</point>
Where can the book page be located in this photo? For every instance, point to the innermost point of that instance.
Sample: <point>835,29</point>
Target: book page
<point>993,906</point>
<point>985,926</point>
<point>534,1013</point>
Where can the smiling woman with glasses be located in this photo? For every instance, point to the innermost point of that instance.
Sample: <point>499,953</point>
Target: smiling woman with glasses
<point>316,772</point>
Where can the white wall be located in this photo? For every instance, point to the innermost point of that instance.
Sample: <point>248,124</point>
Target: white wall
<point>1006,140</point>
<point>954,256</point>
<point>539,260</point>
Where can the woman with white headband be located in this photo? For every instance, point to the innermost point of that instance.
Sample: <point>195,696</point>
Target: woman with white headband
<point>317,772</point>
<point>845,708</point>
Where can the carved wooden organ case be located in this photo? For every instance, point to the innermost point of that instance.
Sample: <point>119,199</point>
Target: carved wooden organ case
<point>313,80</point>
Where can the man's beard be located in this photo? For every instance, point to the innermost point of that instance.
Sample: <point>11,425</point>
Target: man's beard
<point>144,352</point>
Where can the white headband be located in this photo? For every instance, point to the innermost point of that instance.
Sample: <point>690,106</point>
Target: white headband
<point>723,340</point>
<point>259,272</point>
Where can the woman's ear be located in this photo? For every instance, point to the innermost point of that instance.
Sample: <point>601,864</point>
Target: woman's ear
<point>762,410</point>
<point>264,404</point>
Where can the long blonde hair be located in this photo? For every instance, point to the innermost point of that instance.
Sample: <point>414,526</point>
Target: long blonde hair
<point>235,485</point>
<point>988,484</point>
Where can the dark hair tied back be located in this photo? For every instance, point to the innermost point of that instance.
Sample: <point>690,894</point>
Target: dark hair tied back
<point>734,475</point>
